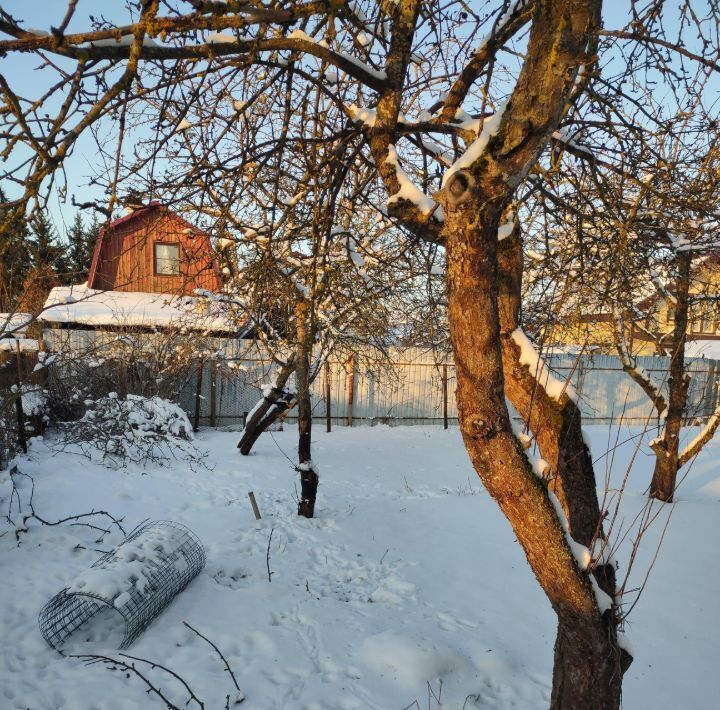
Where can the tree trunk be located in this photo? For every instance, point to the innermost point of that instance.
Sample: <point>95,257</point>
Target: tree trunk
<point>555,424</point>
<point>667,447</point>
<point>19,414</point>
<point>588,669</point>
<point>270,408</point>
<point>308,476</point>
<point>584,631</point>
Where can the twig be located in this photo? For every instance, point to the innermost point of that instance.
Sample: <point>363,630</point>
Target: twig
<point>267,556</point>
<point>222,657</point>
<point>431,692</point>
<point>153,664</point>
<point>114,664</point>
<point>72,519</point>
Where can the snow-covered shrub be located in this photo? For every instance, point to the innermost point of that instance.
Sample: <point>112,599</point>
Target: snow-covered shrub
<point>136,430</point>
<point>156,364</point>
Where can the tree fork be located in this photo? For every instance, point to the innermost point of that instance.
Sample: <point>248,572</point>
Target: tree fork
<point>667,449</point>
<point>268,411</point>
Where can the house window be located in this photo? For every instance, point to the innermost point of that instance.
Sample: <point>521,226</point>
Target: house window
<point>670,315</point>
<point>167,259</point>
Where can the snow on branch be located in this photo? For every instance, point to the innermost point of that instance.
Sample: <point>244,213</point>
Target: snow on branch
<point>554,387</point>
<point>409,191</point>
<point>505,230</point>
<point>662,288</point>
<point>490,128</point>
<point>706,433</point>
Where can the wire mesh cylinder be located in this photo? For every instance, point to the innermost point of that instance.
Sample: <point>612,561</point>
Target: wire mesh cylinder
<point>137,579</point>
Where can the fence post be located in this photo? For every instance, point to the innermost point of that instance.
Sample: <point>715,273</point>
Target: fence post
<point>328,419</point>
<point>213,393</point>
<point>122,379</point>
<point>351,390</point>
<point>709,390</point>
<point>198,390</point>
<point>445,395</point>
<point>22,441</point>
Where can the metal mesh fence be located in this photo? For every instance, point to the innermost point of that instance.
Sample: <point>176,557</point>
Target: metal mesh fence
<point>416,389</point>
<point>154,563</point>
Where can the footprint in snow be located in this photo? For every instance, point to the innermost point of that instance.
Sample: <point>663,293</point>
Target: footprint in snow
<point>234,579</point>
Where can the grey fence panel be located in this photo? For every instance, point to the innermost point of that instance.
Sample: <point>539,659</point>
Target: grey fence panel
<point>406,392</point>
<point>408,389</point>
<point>608,394</point>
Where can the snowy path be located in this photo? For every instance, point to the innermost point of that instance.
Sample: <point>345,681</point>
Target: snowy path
<point>408,574</point>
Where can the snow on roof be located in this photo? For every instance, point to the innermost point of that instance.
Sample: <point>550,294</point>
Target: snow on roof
<point>85,306</point>
<point>14,324</point>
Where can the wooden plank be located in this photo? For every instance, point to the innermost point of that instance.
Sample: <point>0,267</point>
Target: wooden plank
<point>198,396</point>
<point>350,389</point>
<point>328,419</point>
<point>213,393</point>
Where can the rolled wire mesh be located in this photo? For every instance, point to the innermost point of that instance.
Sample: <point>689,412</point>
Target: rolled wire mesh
<point>154,562</point>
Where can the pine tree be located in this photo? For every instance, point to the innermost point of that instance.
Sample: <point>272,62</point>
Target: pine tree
<point>48,265</point>
<point>90,237</point>
<point>44,247</point>
<point>14,256</point>
<point>81,244</point>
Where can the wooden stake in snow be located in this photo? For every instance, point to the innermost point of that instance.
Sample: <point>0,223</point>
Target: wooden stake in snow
<point>350,389</point>
<point>254,505</point>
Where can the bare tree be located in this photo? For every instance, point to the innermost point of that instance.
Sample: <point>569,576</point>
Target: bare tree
<point>525,66</point>
<point>622,244</point>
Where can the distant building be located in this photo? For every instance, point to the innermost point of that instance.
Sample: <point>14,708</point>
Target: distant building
<point>595,330</point>
<point>153,250</point>
<point>147,270</point>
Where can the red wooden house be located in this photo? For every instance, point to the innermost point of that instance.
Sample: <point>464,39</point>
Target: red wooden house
<point>153,250</point>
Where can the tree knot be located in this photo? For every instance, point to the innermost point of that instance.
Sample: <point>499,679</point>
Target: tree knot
<point>480,428</point>
<point>460,188</point>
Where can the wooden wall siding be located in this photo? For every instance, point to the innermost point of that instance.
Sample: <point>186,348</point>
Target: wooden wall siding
<point>126,260</point>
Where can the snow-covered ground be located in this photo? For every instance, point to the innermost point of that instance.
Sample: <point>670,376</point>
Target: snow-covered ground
<point>408,575</point>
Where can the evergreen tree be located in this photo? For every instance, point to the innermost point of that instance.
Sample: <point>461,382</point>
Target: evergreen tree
<point>91,234</point>
<point>81,243</point>
<point>45,251</point>
<point>48,264</point>
<point>14,256</point>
